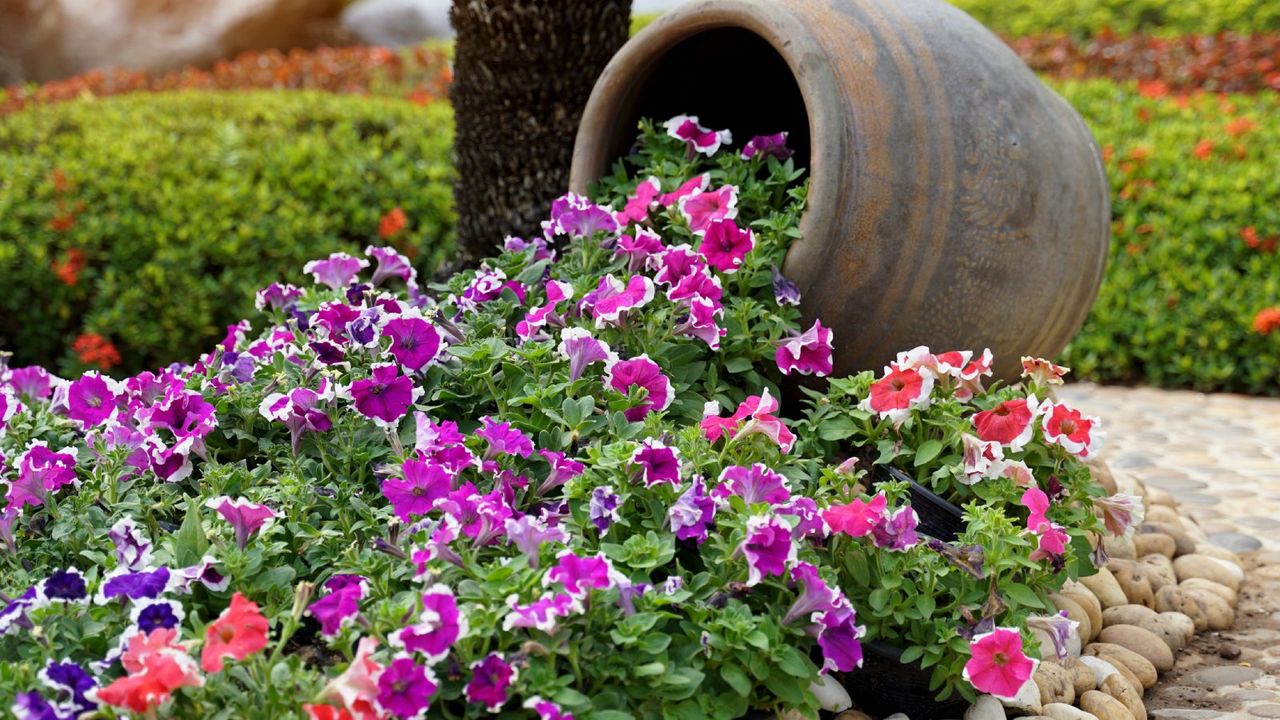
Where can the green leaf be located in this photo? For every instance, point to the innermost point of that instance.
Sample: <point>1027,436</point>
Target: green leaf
<point>1022,595</point>
<point>785,688</point>
<point>190,542</point>
<point>736,679</point>
<point>737,364</point>
<point>792,662</point>
<point>927,451</point>
<point>837,428</point>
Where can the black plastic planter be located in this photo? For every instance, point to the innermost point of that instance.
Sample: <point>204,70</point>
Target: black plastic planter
<point>938,518</point>
<point>884,685</point>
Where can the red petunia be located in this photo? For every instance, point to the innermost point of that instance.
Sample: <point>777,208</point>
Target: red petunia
<point>392,223</point>
<point>240,631</point>
<point>894,395</point>
<point>1011,423</point>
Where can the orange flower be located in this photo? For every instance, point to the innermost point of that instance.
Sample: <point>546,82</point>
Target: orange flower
<point>68,269</point>
<point>1251,238</point>
<point>240,631</point>
<point>392,223</point>
<point>93,349</point>
<point>1140,152</point>
<point>1267,320</point>
<point>1154,89</point>
<point>1204,149</point>
<point>1240,126</point>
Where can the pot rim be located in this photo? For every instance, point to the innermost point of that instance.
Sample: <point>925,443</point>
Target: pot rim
<point>772,21</point>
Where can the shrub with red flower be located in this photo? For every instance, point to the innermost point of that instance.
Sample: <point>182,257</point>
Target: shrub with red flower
<point>1267,320</point>
<point>94,350</point>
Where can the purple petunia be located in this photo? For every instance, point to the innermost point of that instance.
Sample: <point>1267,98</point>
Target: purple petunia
<point>530,533</point>
<point>92,398</point>
<point>896,532</point>
<point>580,575</point>
<point>756,484</point>
<point>546,709</point>
<point>415,343</point>
<point>149,615</point>
<point>246,518</point>
<point>70,678</point>
<point>302,410</point>
<point>336,271</point>
<point>391,264</point>
<point>503,439</point>
<point>339,607</point>
<point>31,383</point>
<point>40,472</point>
<point>405,688</point>
<point>603,508</point>
<point>563,469</point>
<point>767,547</point>
<point>133,548</point>
<point>578,217</point>
<point>838,636</point>
<point>767,146</point>
<point>785,292</point>
<point>692,512</point>
<point>816,595</point>
<point>385,396</point>
<point>490,680</point>
<point>657,462</point>
<point>581,349</point>
<point>123,582</point>
<point>66,586</point>
<point>423,483</point>
<point>541,614</point>
<point>439,626</point>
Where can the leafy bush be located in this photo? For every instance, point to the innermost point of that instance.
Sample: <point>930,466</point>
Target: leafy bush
<point>1086,18</point>
<point>420,74</point>
<point>1193,258</point>
<point>568,521</point>
<point>149,220</point>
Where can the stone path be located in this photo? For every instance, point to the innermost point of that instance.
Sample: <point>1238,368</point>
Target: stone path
<point>1219,456</point>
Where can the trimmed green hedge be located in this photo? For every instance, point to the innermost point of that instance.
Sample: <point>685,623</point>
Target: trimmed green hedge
<point>181,205</point>
<point>1086,18</point>
<point>1196,202</point>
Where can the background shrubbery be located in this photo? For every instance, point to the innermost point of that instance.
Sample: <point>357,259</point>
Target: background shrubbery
<point>1085,18</point>
<point>150,219</point>
<point>1193,254</point>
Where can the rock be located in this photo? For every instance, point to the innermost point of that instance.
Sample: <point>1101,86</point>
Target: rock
<point>1125,693</point>
<point>1218,614</point>
<point>1103,585</point>
<point>1104,707</point>
<point>1218,589</point>
<point>394,23</point>
<point>1060,711</point>
<point>1219,677</point>
<point>1082,679</point>
<point>1158,497</point>
<point>1055,683</point>
<point>853,715</point>
<point>1143,642</point>
<point>1089,603</point>
<point>1134,584</point>
<point>1153,544</point>
<point>1235,542</point>
<point>1196,532</point>
<point>1163,514</point>
<point>1075,612</point>
<point>1120,547</point>
<point>1206,568</point>
<point>1183,543</point>
<point>1228,651</point>
<point>986,707</point>
<point>1141,667</point>
<point>1176,621</point>
<point>1174,599</point>
<point>1159,571</point>
<point>1147,619</point>
<point>898,716</point>
<point>1102,475</point>
<point>1122,671</point>
<point>1212,550</point>
<point>1027,701</point>
<point>1099,668</point>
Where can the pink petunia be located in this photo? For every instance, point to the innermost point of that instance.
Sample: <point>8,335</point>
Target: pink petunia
<point>640,372</point>
<point>997,665</point>
<point>246,518</point>
<point>809,353</point>
<point>385,396</point>
<point>754,415</point>
<point>1011,423</point>
<point>725,245</point>
<point>702,209</point>
<point>857,518</point>
<point>1042,372</point>
<point>693,185</point>
<point>698,138</point>
<point>641,202</point>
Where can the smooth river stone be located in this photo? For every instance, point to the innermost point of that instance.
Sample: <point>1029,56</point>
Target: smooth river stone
<point>1104,707</point>
<point>1207,568</point>
<point>1103,585</point>
<point>1141,667</point>
<point>1143,642</point>
<point>1218,589</point>
<point>1153,544</point>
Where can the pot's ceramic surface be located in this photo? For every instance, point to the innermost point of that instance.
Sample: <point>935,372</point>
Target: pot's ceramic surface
<point>955,201</point>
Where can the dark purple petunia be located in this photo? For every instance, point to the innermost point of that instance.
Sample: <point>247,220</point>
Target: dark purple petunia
<point>72,679</point>
<point>415,343</point>
<point>153,614</point>
<point>785,292</point>
<point>767,146</point>
<point>386,396</point>
<point>133,585</point>
<point>64,586</point>
<point>490,679</point>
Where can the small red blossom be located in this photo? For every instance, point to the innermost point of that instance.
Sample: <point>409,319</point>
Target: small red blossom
<point>68,268</point>
<point>392,224</point>
<point>900,389</point>
<point>1240,126</point>
<point>1254,241</point>
<point>1267,320</point>
<point>240,631</point>
<point>93,349</point>
<point>1204,149</point>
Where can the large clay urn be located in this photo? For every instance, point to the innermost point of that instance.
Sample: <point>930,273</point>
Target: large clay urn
<point>955,201</point>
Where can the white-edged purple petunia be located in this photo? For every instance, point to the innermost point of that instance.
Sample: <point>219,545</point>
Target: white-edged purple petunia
<point>767,547</point>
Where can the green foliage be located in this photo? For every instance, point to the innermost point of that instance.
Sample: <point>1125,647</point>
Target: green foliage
<point>1086,18</point>
<point>1183,282</point>
<point>182,205</point>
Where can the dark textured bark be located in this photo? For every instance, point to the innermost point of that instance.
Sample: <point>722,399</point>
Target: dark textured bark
<point>523,70</point>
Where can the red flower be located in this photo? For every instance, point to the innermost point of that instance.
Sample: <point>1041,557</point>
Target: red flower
<point>1154,89</point>
<point>240,631</point>
<point>68,269</point>
<point>157,666</point>
<point>1240,126</point>
<point>1266,245</point>
<point>1204,149</point>
<point>1266,320</point>
<point>894,395</point>
<point>1010,423</point>
<point>326,712</point>
<point>93,349</point>
<point>392,223</point>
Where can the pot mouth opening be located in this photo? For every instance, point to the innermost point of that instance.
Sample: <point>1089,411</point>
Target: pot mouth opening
<point>729,78</point>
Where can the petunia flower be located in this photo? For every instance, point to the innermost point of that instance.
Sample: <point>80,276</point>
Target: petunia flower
<point>71,680</point>
<point>639,247</point>
<point>969,558</point>
<point>809,522</point>
<point>808,353</point>
<point>391,264</point>
<point>246,518</point>
<point>40,472</point>
<point>857,518</point>
<point>423,483</point>
<point>579,574</point>
<point>581,350</point>
<point>491,677</point>
<point>997,665</point>
<point>603,508</point>
<point>92,398</point>
<point>703,209</point>
<point>724,245</point>
<point>302,410</point>
<point>767,547</point>
<point>1011,423</point>
<point>1037,504</point>
<point>1043,372</point>
<point>546,709</point>
<point>639,203</point>
<point>440,625</point>
<point>133,548</point>
<point>1051,542</point>
<point>157,667</point>
<point>756,484</point>
<point>9,406</point>
<point>64,586</point>
<point>695,184</point>
<point>385,396</point>
<point>541,614</point>
<point>415,343</point>
<point>899,391</point>
<point>702,322</point>
<point>698,138</point>
<point>148,615</point>
<point>1120,513</point>
<point>578,217</point>
<point>767,146</point>
<point>753,416</point>
<point>816,596</point>
<point>405,688</point>
<point>612,299</point>
<point>336,271</point>
<point>534,320</point>
<point>785,292</point>
<point>896,532</point>
<point>503,439</point>
<point>839,637</point>
<point>529,533</point>
<point>1066,427</point>
<point>357,687</point>
<point>1060,628</point>
<point>320,711</point>
<point>123,582</point>
<point>692,512</point>
<point>675,264</point>
<point>240,631</point>
<point>970,378</point>
<point>339,607</point>
<point>657,462</point>
<point>563,469</point>
<point>640,372</point>
<point>980,458</point>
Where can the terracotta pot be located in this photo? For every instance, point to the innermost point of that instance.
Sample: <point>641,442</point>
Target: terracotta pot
<point>955,201</point>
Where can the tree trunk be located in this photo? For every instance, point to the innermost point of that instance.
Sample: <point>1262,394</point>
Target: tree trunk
<point>523,70</point>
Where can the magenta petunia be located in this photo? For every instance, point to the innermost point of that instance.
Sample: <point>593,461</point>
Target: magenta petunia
<point>816,596</point>
<point>40,472</point>
<point>809,353</point>
<point>612,299</point>
<point>579,575</point>
<point>405,688</point>
<point>695,184</point>
<point>896,531</point>
<point>698,138</point>
<point>339,607</point>
<point>674,264</point>
<point>692,512</point>
<point>703,322</point>
<point>246,518</point>
<point>546,709</point>
<point>541,614</point>
<point>767,547</point>
<point>1037,504</point>
<point>725,245</point>
<point>440,625</point>
<point>9,407</point>
<point>490,680</point>
<point>391,264</point>
<point>503,439</point>
<point>755,484</point>
<point>657,462</point>
<point>336,271</point>
<point>302,410</point>
<point>644,199</point>
<point>92,398</point>
<point>581,349</point>
<point>578,217</point>
<point>639,247</point>
<point>700,284</point>
<point>534,320</point>
<point>415,343</point>
<point>839,637</point>
<point>563,469</point>
<point>767,146</point>
<point>997,664</point>
<point>530,533</point>
<point>31,383</point>
<point>640,372</point>
<point>703,209</point>
<point>415,494</point>
<point>385,396</point>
